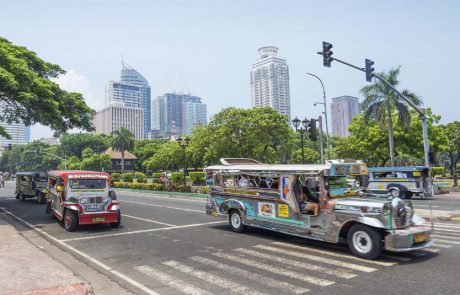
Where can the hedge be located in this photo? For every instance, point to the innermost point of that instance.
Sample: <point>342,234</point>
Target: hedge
<point>127,177</point>
<point>438,171</point>
<point>116,177</point>
<point>198,178</point>
<point>177,177</point>
<point>140,177</point>
<point>162,187</point>
<point>157,174</point>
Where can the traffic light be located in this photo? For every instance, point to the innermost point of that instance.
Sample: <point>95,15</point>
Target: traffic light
<point>311,130</point>
<point>327,54</point>
<point>10,146</point>
<point>431,158</point>
<point>369,70</point>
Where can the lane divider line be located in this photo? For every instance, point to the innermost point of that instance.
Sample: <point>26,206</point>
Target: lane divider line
<point>86,256</point>
<point>147,220</point>
<point>141,231</point>
<point>153,196</point>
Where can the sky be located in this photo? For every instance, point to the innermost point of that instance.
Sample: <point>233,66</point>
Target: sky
<point>207,47</point>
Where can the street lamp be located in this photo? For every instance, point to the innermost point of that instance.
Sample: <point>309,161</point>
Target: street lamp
<point>183,143</point>
<point>328,143</point>
<point>296,122</point>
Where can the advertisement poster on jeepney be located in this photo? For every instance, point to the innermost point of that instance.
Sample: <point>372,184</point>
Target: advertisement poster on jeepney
<point>266,209</point>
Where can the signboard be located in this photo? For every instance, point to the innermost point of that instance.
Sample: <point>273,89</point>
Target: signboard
<point>266,209</point>
<point>283,210</point>
<point>88,176</point>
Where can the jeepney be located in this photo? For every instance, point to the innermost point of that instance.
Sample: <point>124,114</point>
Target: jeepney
<point>403,182</point>
<point>31,185</point>
<point>82,197</point>
<point>316,202</point>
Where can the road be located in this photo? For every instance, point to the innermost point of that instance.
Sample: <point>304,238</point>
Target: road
<point>169,246</point>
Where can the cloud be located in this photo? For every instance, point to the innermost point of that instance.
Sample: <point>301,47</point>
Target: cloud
<point>72,82</point>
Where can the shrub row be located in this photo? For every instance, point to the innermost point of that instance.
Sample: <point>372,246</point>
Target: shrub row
<point>162,187</point>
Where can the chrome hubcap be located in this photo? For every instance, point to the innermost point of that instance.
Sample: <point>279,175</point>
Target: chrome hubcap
<point>236,220</point>
<point>362,242</point>
<point>394,193</point>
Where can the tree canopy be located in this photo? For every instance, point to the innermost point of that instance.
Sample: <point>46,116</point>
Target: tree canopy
<point>28,93</point>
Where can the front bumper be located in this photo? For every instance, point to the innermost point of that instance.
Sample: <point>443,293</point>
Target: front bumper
<point>409,239</point>
<point>93,218</point>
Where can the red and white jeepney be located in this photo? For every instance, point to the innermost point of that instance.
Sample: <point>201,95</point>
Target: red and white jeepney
<point>82,197</point>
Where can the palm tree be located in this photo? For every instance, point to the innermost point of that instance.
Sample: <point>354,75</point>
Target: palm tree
<point>122,141</point>
<point>380,102</point>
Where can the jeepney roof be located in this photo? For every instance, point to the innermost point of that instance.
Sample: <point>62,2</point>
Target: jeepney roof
<point>27,173</point>
<point>269,168</point>
<point>397,169</point>
<point>64,173</point>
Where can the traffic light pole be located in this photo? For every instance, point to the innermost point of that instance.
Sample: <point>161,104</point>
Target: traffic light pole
<point>320,120</point>
<point>421,112</point>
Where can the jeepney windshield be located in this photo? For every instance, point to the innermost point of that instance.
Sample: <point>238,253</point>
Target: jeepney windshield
<point>87,184</point>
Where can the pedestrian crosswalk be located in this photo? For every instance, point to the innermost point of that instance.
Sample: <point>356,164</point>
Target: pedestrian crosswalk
<point>279,267</point>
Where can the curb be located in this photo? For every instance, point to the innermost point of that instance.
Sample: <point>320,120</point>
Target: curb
<point>74,289</point>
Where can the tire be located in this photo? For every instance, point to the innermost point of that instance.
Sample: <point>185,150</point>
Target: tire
<point>364,241</point>
<point>18,196</point>
<point>408,195</point>
<point>236,223</point>
<point>395,193</point>
<point>41,198</point>
<point>70,220</point>
<point>22,196</point>
<point>116,224</point>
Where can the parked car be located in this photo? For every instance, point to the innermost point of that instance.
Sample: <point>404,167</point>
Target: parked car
<point>31,185</point>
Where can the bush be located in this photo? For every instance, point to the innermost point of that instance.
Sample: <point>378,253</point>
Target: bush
<point>198,178</point>
<point>438,171</point>
<point>177,177</point>
<point>140,177</point>
<point>116,177</point>
<point>157,174</point>
<point>127,177</point>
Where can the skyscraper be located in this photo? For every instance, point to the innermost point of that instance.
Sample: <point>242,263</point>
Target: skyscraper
<point>134,91</point>
<point>177,114</point>
<point>117,115</point>
<point>343,109</point>
<point>270,81</point>
<point>19,132</point>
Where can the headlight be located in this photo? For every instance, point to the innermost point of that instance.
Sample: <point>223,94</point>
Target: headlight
<point>84,201</point>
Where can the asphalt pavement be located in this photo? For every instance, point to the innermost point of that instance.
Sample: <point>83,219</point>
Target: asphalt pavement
<point>167,245</point>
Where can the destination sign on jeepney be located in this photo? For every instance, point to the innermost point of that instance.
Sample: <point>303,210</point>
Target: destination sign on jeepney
<point>86,176</point>
<point>348,169</point>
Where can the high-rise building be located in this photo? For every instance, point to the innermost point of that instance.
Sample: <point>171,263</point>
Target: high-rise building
<point>134,91</point>
<point>177,114</point>
<point>343,109</point>
<point>118,115</point>
<point>19,132</point>
<point>270,81</point>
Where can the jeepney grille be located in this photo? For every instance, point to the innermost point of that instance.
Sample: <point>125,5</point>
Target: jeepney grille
<point>95,200</point>
<point>95,205</point>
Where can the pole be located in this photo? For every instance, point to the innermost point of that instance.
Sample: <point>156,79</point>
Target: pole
<point>185,166</point>
<point>328,143</point>
<point>320,120</point>
<point>65,159</point>
<point>301,143</point>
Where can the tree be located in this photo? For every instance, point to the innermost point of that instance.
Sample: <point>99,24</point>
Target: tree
<point>380,102</point>
<point>453,148</point>
<point>27,94</point>
<point>169,156</point>
<point>73,144</point>
<point>145,149</point>
<point>123,140</point>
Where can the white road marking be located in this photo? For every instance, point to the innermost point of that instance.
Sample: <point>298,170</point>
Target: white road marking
<point>212,279</point>
<point>86,256</point>
<point>320,259</point>
<point>431,250</point>
<point>141,231</point>
<point>441,245</point>
<point>448,225</point>
<point>437,229</point>
<point>147,220</point>
<point>433,206</point>
<point>170,280</point>
<point>170,197</point>
<point>282,260</point>
<point>264,280</point>
<point>161,206</point>
<point>436,236</point>
<point>448,242</point>
<point>349,257</point>
<point>273,269</point>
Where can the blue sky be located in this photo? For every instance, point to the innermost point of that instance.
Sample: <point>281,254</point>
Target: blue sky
<point>208,47</point>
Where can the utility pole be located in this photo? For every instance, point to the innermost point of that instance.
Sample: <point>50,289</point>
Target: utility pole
<point>327,59</point>
<point>320,120</point>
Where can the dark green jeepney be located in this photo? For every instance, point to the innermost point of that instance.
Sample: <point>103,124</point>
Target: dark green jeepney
<point>31,185</point>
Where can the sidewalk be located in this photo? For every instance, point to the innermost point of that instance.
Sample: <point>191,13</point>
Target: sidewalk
<point>27,270</point>
<point>439,215</point>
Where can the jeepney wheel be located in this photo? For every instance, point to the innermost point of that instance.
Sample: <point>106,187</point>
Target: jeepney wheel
<point>22,196</point>
<point>41,198</point>
<point>395,193</point>
<point>364,241</point>
<point>70,220</point>
<point>18,196</point>
<point>116,224</point>
<point>408,195</point>
<point>235,221</point>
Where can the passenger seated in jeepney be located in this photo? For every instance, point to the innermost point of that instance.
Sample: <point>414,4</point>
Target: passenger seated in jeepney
<point>308,203</point>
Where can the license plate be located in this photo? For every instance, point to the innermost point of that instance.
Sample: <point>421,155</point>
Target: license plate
<point>420,237</point>
<point>215,214</point>
<point>98,219</point>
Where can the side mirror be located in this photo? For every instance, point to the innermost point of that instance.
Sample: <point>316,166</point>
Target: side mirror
<point>60,188</point>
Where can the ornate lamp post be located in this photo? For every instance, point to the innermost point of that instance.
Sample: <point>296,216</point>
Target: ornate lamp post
<point>296,122</point>
<point>183,143</point>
